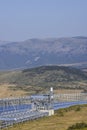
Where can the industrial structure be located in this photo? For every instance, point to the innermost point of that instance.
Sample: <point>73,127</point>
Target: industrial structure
<point>16,110</point>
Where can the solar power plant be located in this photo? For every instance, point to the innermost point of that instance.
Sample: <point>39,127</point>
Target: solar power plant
<point>16,110</point>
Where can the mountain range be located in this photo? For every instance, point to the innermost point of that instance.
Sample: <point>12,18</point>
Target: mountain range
<point>38,52</point>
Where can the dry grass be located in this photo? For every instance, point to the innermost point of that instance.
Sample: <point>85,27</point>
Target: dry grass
<point>8,90</point>
<point>62,91</point>
<point>5,91</point>
<point>55,122</point>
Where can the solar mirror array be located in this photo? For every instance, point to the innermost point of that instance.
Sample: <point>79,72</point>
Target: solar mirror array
<point>16,110</point>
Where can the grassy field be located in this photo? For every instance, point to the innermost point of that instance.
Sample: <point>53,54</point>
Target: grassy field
<point>44,77</point>
<point>40,79</point>
<point>9,90</point>
<point>6,91</point>
<point>70,91</point>
<point>62,119</point>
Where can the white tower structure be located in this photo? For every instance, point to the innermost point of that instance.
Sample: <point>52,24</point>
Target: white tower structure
<point>51,93</point>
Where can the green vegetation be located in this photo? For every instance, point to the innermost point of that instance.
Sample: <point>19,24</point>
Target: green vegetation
<point>79,126</point>
<point>63,119</point>
<point>42,78</point>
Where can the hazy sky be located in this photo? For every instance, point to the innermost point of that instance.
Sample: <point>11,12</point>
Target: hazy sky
<point>24,19</point>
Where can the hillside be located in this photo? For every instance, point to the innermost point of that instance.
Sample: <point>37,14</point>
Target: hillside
<point>61,120</point>
<point>42,78</point>
<point>39,52</point>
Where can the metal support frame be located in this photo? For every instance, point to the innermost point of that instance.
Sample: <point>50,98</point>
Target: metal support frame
<point>15,110</point>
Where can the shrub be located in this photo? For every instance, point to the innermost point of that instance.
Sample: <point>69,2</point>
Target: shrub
<point>78,126</point>
<point>78,108</point>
